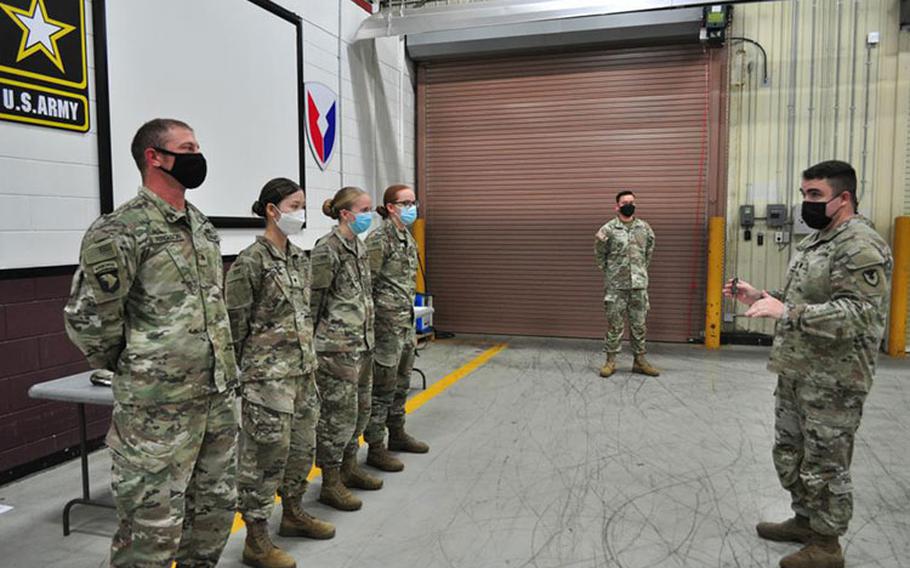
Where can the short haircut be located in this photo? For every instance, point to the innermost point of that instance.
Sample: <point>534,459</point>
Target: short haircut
<point>840,176</point>
<point>622,194</point>
<point>153,134</point>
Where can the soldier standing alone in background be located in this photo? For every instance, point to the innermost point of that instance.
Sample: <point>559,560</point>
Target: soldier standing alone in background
<point>830,322</point>
<point>147,304</point>
<point>623,249</point>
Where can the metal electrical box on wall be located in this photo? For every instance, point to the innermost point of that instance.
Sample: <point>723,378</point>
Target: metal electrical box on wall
<point>746,216</point>
<point>799,226</point>
<point>776,215</point>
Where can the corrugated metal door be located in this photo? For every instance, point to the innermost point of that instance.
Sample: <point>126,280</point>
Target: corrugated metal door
<point>519,162</point>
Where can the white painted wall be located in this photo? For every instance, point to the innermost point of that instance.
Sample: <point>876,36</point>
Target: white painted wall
<point>49,181</point>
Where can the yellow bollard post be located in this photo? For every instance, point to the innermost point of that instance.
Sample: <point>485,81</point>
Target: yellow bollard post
<point>419,230</point>
<point>715,283</point>
<point>900,283</point>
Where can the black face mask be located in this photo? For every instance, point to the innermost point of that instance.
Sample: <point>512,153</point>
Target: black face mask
<point>814,214</point>
<point>628,209</point>
<point>189,169</point>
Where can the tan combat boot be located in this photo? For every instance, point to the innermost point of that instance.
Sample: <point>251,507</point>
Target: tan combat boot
<point>297,522</point>
<point>335,494</point>
<point>609,366</point>
<point>795,529</point>
<point>355,477</point>
<point>401,441</point>
<point>258,550</point>
<point>380,458</point>
<point>821,552</point>
<point>642,367</point>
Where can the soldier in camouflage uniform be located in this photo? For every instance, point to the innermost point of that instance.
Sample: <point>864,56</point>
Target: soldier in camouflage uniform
<point>268,299</point>
<point>830,322</point>
<point>393,265</point>
<point>623,249</point>
<point>342,308</point>
<point>147,304</point>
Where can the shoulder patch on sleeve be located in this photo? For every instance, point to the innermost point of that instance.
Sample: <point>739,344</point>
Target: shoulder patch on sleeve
<point>864,257</point>
<point>872,276</point>
<point>321,267</point>
<point>100,251</point>
<point>238,290</point>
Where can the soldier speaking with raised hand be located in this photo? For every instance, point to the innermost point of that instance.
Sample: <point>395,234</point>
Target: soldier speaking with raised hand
<point>830,322</point>
<point>147,303</point>
<point>623,249</point>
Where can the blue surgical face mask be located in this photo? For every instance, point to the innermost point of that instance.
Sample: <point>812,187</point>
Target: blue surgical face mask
<point>361,222</point>
<point>408,214</point>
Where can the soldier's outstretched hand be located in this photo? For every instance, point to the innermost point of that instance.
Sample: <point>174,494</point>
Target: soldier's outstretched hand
<point>744,292</point>
<point>766,307</point>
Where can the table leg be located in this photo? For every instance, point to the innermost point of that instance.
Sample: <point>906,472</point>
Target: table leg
<point>422,376</point>
<point>83,457</point>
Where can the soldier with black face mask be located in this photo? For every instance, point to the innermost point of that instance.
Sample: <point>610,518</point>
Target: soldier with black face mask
<point>830,322</point>
<point>623,249</point>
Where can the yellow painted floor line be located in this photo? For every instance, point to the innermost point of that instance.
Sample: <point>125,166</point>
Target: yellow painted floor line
<point>416,402</point>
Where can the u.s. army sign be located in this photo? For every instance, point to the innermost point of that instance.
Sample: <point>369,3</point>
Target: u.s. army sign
<point>43,68</point>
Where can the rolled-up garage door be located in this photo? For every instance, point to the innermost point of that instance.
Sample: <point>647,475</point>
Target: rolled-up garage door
<point>519,162</point>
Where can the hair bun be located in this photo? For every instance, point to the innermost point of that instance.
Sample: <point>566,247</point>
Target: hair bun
<point>328,208</point>
<point>258,209</point>
<point>383,212</point>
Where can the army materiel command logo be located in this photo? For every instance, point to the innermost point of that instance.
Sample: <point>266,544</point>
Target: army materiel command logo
<point>43,68</point>
<point>321,122</point>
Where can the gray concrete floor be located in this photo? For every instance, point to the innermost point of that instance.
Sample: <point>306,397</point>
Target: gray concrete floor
<point>536,461</point>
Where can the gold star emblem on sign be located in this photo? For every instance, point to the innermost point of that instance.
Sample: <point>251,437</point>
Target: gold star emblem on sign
<point>39,32</point>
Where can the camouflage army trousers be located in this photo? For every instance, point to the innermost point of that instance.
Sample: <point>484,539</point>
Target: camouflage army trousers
<point>620,305</point>
<point>393,361</point>
<point>345,381</point>
<point>276,448</point>
<point>173,479</point>
<point>813,448</point>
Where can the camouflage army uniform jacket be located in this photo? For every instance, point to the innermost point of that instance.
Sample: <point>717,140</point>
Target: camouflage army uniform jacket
<point>341,302</point>
<point>835,296</point>
<point>393,265</point>
<point>147,303</point>
<point>623,252</point>
<point>268,300</point>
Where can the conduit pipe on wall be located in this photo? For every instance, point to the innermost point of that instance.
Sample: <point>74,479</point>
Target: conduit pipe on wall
<point>791,104</point>
<point>867,88</point>
<point>837,57</point>
<point>811,83</point>
<point>850,135</point>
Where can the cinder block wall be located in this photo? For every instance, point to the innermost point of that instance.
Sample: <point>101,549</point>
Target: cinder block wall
<point>34,348</point>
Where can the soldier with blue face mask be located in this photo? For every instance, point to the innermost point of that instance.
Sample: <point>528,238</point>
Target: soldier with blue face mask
<point>342,308</point>
<point>393,264</point>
